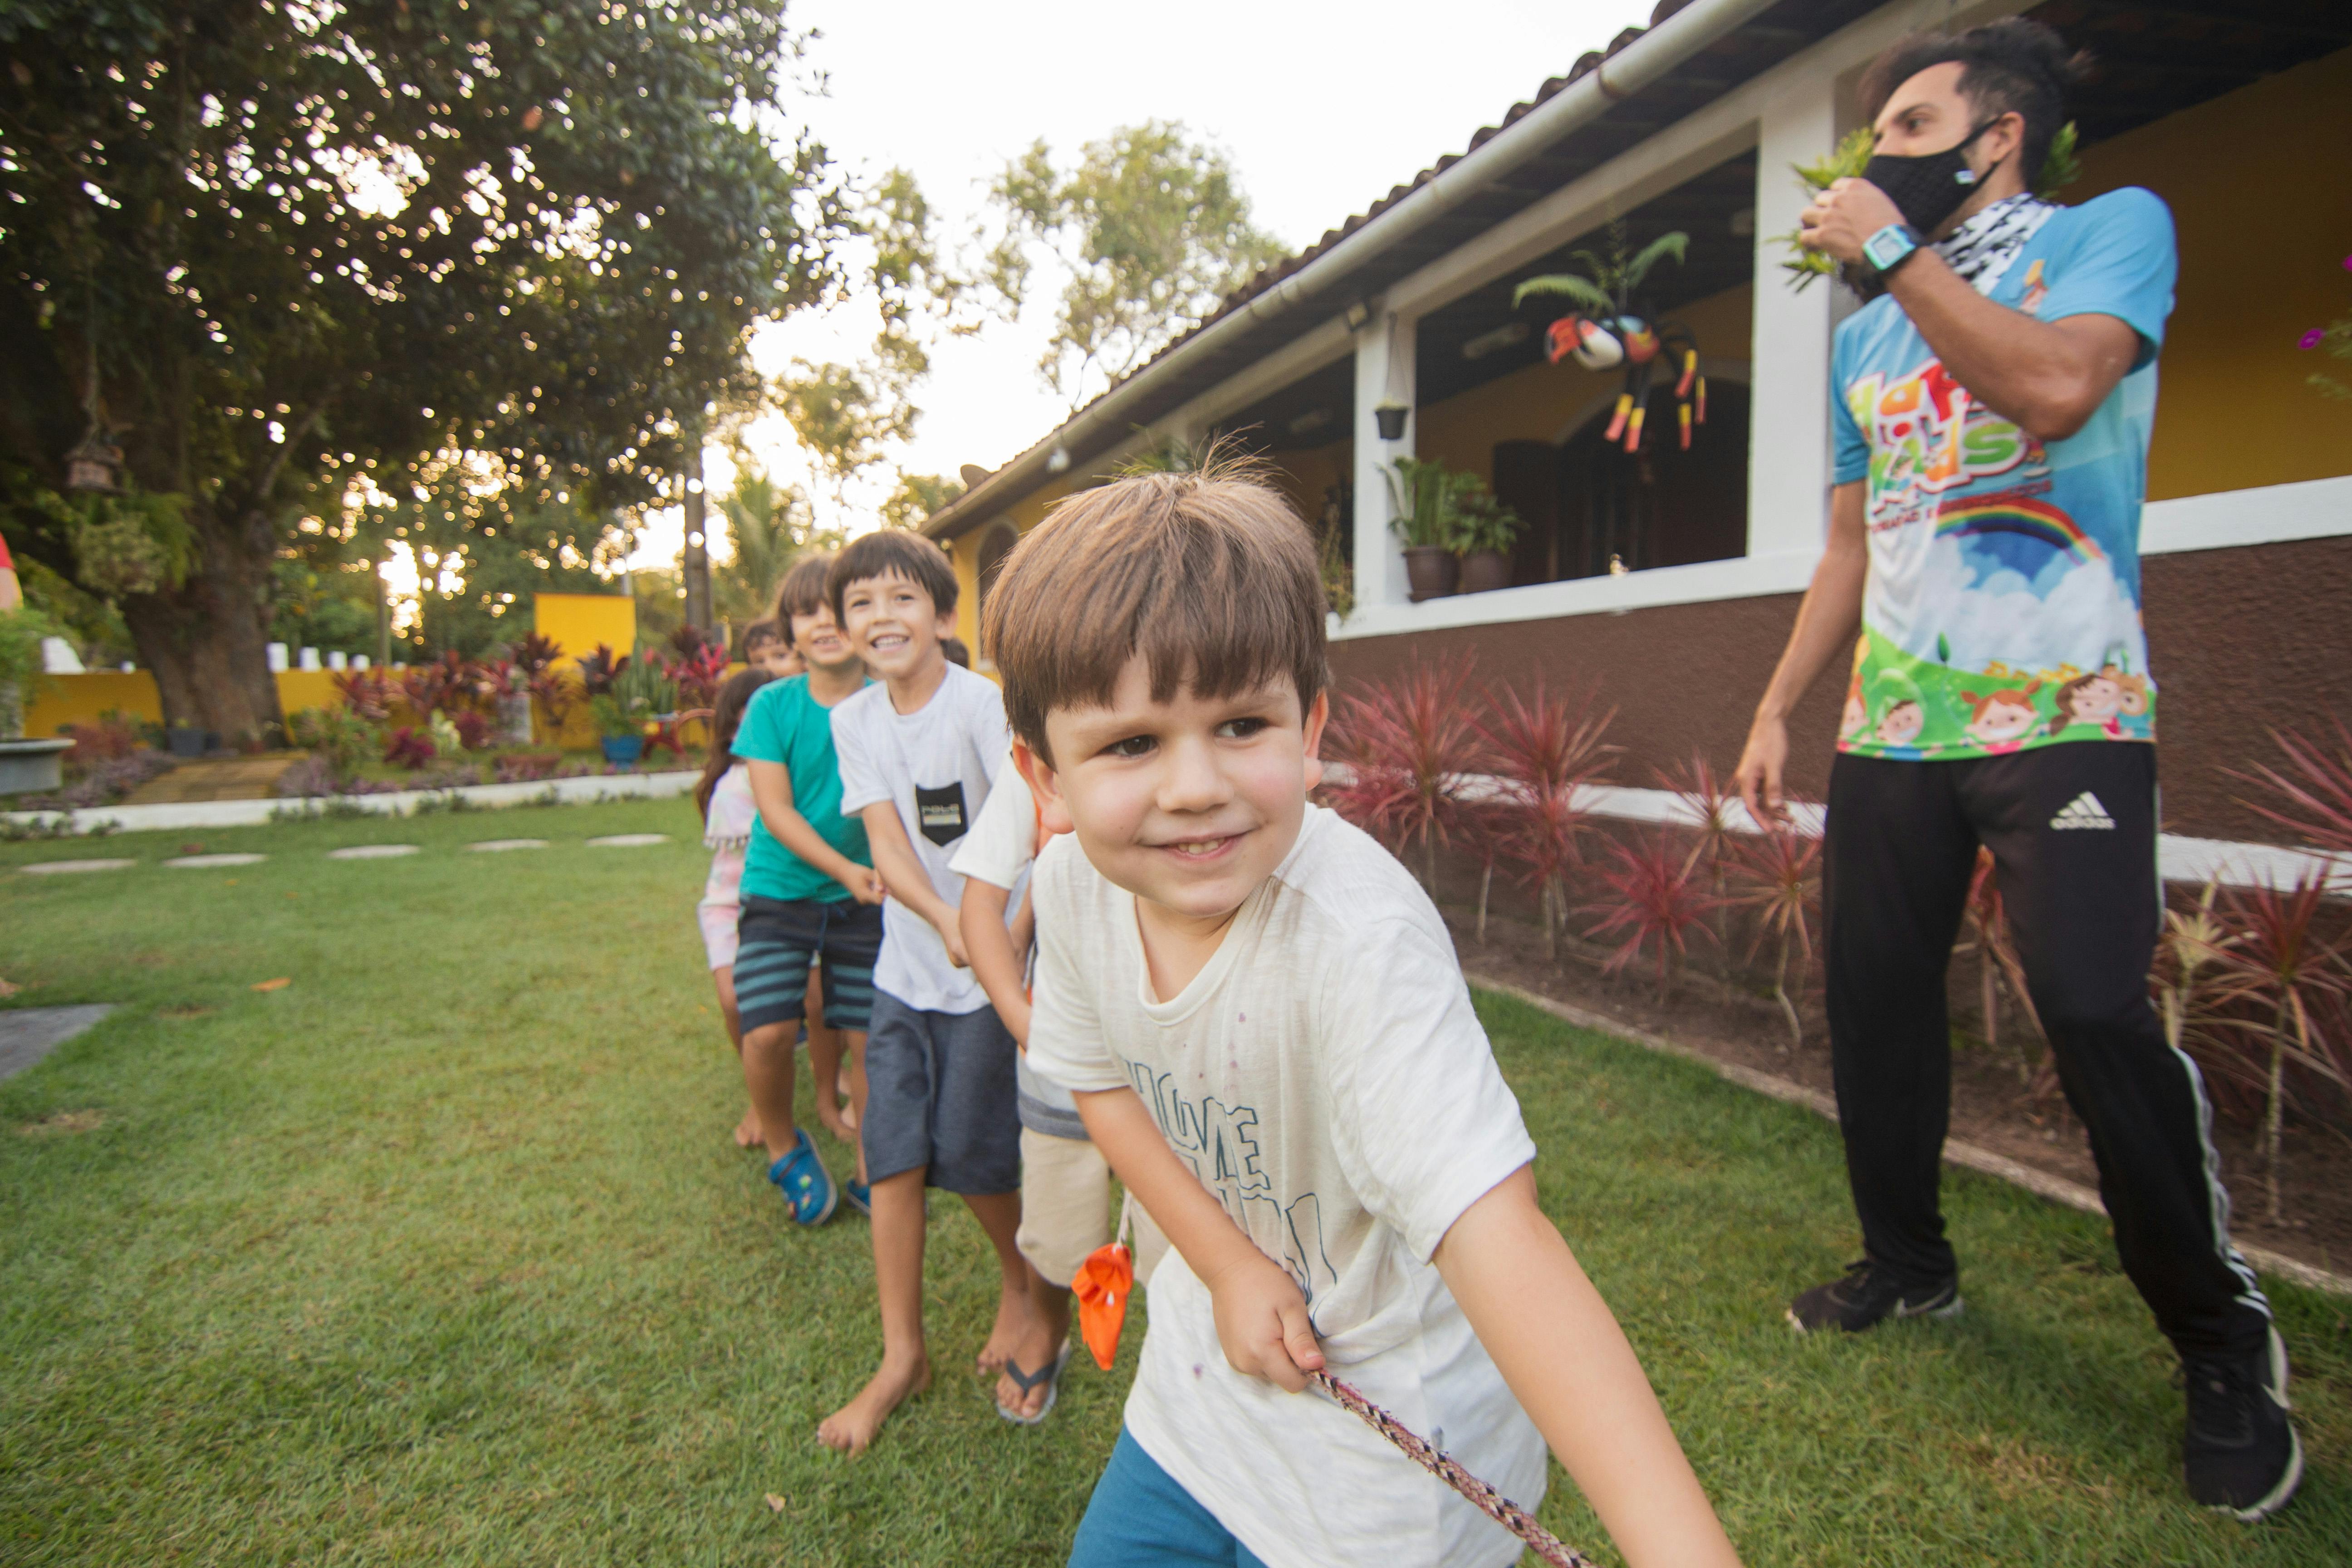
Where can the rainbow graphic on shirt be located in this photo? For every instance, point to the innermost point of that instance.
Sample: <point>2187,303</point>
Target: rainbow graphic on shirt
<point>2037,522</point>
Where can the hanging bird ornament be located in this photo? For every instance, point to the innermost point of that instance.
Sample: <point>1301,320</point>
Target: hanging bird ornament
<point>1607,330</point>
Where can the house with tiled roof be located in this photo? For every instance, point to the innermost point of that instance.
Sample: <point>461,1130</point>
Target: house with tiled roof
<point>1669,574</point>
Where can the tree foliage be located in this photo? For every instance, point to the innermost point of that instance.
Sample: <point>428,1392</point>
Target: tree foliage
<point>768,525</point>
<point>310,247</point>
<point>1154,229</point>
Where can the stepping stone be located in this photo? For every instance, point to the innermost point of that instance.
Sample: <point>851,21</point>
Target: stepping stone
<point>60,868</point>
<point>493,846</point>
<point>372,852</point>
<point>627,840</point>
<point>204,862</point>
<point>28,1034</point>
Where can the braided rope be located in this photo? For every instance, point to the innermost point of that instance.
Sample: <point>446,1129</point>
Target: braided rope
<point>1482,1497</point>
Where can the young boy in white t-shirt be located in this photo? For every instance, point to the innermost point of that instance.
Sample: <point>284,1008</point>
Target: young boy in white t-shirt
<point>1267,1034</point>
<point>918,752</point>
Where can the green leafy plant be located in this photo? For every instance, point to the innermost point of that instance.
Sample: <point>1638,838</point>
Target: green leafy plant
<point>2060,168</point>
<point>339,736</point>
<point>1483,523</point>
<point>23,670</point>
<point>1612,276</point>
<point>1428,497</point>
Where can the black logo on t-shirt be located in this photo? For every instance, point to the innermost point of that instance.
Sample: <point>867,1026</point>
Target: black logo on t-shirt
<point>940,813</point>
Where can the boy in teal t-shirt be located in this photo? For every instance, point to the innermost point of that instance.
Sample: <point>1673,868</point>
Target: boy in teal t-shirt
<point>809,888</point>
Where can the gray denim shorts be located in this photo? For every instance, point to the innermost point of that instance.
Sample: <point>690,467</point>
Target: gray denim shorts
<point>939,1095</point>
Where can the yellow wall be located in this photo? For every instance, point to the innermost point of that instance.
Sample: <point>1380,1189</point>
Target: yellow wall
<point>964,550</point>
<point>2259,183</point>
<point>578,622</point>
<point>82,699</point>
<point>1533,404</point>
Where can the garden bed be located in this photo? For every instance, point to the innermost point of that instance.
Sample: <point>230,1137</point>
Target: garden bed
<point>1992,1105</point>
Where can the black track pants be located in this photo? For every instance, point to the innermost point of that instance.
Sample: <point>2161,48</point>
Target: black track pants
<point>2073,828</point>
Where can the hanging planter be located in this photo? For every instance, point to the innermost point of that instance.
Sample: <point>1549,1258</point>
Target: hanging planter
<point>1391,418</point>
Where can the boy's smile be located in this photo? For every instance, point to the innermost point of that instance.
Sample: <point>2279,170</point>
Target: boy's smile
<point>1188,804</point>
<point>819,640</point>
<point>892,623</point>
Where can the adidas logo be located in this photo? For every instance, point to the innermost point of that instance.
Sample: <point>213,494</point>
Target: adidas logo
<point>2083,811</point>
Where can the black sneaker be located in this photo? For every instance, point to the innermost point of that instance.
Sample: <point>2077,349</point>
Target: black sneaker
<point>1867,1296</point>
<point>2241,1454</point>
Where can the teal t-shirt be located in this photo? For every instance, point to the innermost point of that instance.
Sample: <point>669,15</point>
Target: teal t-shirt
<point>784,724</point>
<point>2002,611</point>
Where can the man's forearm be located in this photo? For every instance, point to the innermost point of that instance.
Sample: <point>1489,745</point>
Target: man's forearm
<point>1566,1360</point>
<point>1187,1212</point>
<point>1825,625</point>
<point>2046,376</point>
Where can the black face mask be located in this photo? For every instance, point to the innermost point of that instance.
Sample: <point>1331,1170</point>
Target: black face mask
<point>1927,190</point>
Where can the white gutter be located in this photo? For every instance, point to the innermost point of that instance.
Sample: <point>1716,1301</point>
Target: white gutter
<point>1632,69</point>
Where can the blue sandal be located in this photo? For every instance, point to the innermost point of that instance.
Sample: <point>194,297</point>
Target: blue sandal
<point>801,1177</point>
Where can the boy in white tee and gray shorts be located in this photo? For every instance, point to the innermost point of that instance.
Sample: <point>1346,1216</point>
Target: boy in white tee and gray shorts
<point>1065,1210</point>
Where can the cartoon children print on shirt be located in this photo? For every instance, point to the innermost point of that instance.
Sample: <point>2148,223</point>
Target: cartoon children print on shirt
<point>2106,698</point>
<point>2000,721</point>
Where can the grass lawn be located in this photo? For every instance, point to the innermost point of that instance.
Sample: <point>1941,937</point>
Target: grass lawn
<point>441,1254</point>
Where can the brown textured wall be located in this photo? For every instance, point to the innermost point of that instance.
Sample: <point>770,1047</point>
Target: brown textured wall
<point>2241,640</point>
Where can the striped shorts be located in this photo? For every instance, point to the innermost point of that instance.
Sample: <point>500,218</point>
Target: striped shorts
<point>778,939</point>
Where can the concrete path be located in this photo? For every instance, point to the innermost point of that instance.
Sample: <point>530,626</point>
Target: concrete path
<point>28,1034</point>
<point>228,778</point>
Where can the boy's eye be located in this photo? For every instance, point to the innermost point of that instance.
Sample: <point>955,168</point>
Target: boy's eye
<point>1240,729</point>
<point>1133,746</point>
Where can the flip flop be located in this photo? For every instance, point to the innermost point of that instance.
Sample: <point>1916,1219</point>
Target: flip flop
<point>1051,1376</point>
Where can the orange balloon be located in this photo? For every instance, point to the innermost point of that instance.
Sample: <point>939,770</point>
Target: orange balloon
<point>1103,1282</point>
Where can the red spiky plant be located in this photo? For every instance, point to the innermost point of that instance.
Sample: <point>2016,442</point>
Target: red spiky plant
<point>1410,746</point>
<point>1779,875</point>
<point>1544,747</point>
<point>366,692</point>
<point>2314,790</point>
<point>1656,900</point>
<point>2292,979</point>
<point>1706,803</point>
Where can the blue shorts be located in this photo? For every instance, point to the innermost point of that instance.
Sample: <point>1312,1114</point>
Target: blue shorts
<point>1141,1518</point>
<point>776,938</point>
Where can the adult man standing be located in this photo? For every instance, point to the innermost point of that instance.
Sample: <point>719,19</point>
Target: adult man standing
<point>1992,409</point>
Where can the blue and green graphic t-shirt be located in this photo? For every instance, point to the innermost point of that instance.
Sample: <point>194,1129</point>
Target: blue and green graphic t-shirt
<point>2003,604</point>
<point>784,724</point>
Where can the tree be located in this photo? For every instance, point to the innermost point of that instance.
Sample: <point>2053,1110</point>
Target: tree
<point>768,525</point>
<point>278,251</point>
<point>915,496</point>
<point>1154,230</point>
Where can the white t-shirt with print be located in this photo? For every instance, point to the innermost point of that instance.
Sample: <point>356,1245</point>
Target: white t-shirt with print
<point>936,765</point>
<point>1002,846</point>
<point>1326,1078</point>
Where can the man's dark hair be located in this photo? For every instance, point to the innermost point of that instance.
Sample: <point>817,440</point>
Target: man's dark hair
<point>893,552</point>
<point>2011,66</point>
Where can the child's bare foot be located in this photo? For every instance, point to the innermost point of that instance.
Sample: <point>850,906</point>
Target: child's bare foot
<point>1033,1351</point>
<point>1018,1325</point>
<point>852,1428</point>
<point>839,1122</point>
<point>747,1131</point>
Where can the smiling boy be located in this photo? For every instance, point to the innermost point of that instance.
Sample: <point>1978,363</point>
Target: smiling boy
<point>1266,1032</point>
<point>917,751</point>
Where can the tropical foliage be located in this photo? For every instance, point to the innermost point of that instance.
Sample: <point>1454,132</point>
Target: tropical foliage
<point>1611,278</point>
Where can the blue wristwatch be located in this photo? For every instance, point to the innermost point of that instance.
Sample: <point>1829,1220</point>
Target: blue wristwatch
<point>1891,247</point>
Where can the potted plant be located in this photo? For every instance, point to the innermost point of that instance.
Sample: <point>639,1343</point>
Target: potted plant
<point>1426,496</point>
<point>1389,416</point>
<point>1483,534</point>
<point>630,709</point>
<point>621,732</point>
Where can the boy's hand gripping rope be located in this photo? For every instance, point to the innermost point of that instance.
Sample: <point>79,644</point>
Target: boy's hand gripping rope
<point>1486,1499</point>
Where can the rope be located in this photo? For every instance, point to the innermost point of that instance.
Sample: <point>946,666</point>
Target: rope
<point>1482,1497</point>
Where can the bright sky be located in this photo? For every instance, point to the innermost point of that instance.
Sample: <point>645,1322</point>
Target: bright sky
<point>1322,106</point>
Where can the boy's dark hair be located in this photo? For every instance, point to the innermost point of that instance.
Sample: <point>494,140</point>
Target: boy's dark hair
<point>802,593</point>
<point>955,650</point>
<point>1209,577</point>
<point>2014,65</point>
<point>893,552</point>
<point>764,629</point>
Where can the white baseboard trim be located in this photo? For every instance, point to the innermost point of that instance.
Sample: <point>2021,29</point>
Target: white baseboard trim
<point>2180,857</point>
<point>253,813</point>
